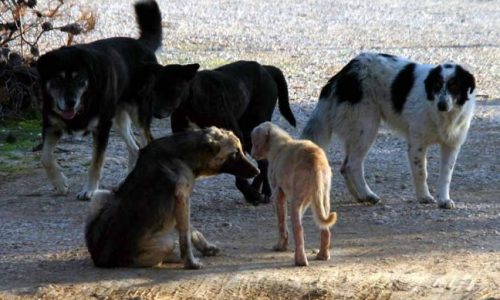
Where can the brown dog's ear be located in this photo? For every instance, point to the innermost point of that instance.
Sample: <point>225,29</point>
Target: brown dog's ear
<point>213,146</point>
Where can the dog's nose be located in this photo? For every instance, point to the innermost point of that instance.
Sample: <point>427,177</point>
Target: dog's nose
<point>442,106</point>
<point>70,103</point>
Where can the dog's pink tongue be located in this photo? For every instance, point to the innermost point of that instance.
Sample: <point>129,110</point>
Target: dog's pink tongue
<point>68,114</point>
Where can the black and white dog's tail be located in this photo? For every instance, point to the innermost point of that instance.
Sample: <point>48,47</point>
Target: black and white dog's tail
<point>283,99</point>
<point>149,19</point>
<point>319,126</point>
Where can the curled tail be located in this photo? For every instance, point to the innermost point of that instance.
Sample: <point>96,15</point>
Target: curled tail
<point>321,202</point>
<point>148,17</point>
<point>319,128</point>
<point>283,99</point>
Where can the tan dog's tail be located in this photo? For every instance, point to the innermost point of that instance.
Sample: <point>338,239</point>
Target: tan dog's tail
<point>321,202</point>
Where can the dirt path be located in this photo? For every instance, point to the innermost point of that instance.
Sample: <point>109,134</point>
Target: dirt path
<point>396,250</point>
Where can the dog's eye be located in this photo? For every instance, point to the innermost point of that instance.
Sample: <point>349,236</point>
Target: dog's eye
<point>57,80</point>
<point>80,80</point>
<point>438,85</point>
<point>452,85</point>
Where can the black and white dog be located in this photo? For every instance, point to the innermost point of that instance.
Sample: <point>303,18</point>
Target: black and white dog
<point>87,87</point>
<point>428,104</point>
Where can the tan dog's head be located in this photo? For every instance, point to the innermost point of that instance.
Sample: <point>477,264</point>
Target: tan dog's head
<point>229,156</point>
<point>260,140</point>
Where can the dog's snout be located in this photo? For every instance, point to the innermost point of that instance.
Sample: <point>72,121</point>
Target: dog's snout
<point>442,106</point>
<point>70,103</point>
<point>240,166</point>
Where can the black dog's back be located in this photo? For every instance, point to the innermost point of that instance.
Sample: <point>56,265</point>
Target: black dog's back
<point>238,97</point>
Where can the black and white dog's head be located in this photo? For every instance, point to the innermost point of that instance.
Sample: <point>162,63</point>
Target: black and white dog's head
<point>449,86</point>
<point>66,75</point>
<point>169,85</point>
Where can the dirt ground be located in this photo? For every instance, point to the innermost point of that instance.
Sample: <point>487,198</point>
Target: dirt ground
<point>398,249</point>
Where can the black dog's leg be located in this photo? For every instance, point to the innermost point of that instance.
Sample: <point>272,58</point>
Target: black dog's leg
<point>100,137</point>
<point>56,177</point>
<point>260,182</point>
<point>266,189</point>
<point>178,122</point>
<point>251,195</point>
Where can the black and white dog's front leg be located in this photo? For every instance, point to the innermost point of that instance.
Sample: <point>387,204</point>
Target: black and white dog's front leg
<point>56,177</point>
<point>100,137</point>
<point>448,159</point>
<point>418,163</point>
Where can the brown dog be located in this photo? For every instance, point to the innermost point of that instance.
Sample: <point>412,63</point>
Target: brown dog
<point>298,170</point>
<point>131,226</point>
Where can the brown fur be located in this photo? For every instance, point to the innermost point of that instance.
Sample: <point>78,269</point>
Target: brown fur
<point>132,226</point>
<point>298,170</point>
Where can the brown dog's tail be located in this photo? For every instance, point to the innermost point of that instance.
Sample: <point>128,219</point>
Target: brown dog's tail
<point>148,17</point>
<point>283,99</point>
<point>321,202</point>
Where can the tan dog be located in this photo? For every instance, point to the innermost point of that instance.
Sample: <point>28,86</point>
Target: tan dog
<point>298,170</point>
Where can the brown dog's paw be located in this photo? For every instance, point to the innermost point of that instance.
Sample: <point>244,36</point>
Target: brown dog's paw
<point>193,264</point>
<point>210,250</point>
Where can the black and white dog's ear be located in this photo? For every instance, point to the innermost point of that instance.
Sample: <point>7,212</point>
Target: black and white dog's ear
<point>189,71</point>
<point>466,80</point>
<point>433,82</point>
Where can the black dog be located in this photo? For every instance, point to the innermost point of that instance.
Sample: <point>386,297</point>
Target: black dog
<point>131,226</point>
<point>86,86</point>
<point>238,96</point>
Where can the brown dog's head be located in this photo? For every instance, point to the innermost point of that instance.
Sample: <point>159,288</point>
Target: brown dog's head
<point>229,156</point>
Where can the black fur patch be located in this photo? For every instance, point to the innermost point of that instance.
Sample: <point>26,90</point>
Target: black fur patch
<point>347,82</point>
<point>466,82</point>
<point>401,87</point>
<point>433,82</point>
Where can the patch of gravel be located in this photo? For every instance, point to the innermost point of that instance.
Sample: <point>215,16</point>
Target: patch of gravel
<point>311,40</point>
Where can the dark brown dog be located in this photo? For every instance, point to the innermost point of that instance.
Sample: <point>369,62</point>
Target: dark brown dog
<point>130,226</point>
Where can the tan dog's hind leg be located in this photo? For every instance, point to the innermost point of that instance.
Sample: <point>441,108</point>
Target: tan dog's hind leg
<point>281,206</point>
<point>298,232</point>
<point>182,215</point>
<point>324,250</point>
